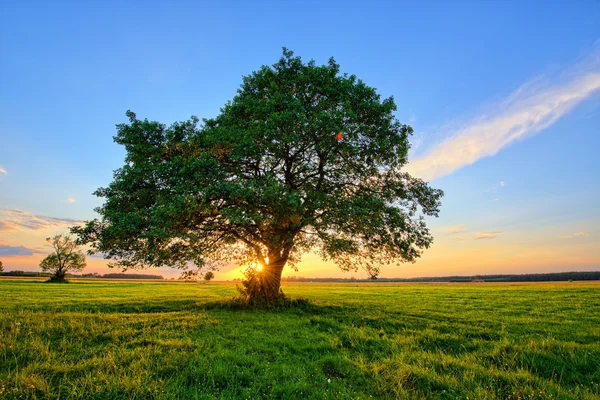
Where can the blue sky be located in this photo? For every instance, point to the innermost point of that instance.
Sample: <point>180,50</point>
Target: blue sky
<point>514,82</point>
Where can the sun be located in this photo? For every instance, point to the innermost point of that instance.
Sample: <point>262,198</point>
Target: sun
<point>255,266</point>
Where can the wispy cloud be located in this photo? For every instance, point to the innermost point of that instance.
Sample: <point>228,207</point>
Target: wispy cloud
<point>3,171</point>
<point>576,235</point>
<point>592,114</point>
<point>8,226</point>
<point>71,200</point>
<point>497,186</point>
<point>455,230</point>
<point>533,107</point>
<point>16,251</point>
<point>16,220</point>
<point>487,235</point>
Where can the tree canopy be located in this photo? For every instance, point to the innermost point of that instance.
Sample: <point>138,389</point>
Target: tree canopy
<point>65,257</point>
<point>209,276</point>
<point>303,158</point>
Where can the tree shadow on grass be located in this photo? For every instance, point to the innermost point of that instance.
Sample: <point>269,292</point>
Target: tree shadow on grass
<point>128,305</point>
<point>137,307</point>
<point>113,306</point>
<point>238,303</point>
<point>295,305</point>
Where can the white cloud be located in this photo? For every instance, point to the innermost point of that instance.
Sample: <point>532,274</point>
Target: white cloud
<point>3,171</point>
<point>576,235</point>
<point>71,200</point>
<point>17,220</point>
<point>530,109</point>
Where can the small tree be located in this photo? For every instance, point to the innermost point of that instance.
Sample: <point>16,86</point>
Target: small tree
<point>64,258</point>
<point>208,276</point>
<point>1,267</point>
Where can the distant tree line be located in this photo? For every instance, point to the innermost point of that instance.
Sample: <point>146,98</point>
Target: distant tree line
<point>131,276</point>
<point>90,275</point>
<point>555,276</point>
<point>548,277</point>
<point>26,273</point>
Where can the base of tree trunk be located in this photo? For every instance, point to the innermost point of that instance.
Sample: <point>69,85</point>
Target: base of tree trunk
<point>58,279</point>
<point>261,287</point>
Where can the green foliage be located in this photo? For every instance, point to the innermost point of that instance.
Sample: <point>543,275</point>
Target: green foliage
<point>208,276</point>
<point>64,258</point>
<point>268,179</point>
<point>158,340</point>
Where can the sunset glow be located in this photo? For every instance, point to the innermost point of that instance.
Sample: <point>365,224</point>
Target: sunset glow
<point>505,122</point>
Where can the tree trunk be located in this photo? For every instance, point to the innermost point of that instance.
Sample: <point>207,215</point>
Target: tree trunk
<point>60,276</point>
<point>265,285</point>
<point>271,277</point>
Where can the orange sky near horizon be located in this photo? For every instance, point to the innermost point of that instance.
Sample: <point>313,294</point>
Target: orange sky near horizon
<point>455,251</point>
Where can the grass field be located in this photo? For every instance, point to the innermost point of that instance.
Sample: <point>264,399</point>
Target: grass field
<point>111,340</point>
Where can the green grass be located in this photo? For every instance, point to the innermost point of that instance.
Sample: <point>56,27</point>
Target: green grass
<point>111,340</point>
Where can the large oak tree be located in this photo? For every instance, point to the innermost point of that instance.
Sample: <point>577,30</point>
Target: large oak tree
<point>302,159</point>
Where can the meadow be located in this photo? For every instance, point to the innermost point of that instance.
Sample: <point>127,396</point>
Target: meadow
<point>162,340</point>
